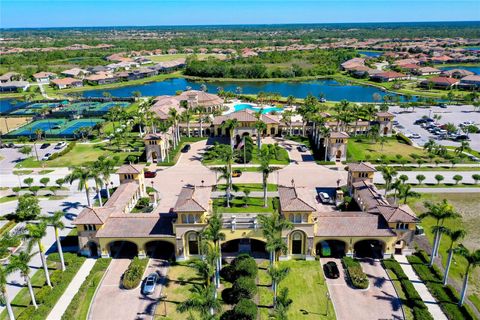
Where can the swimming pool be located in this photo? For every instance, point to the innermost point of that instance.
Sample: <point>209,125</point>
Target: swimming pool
<point>243,106</point>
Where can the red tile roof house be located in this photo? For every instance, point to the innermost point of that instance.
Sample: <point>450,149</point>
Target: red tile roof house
<point>44,77</point>
<point>440,82</point>
<point>470,82</point>
<point>388,76</point>
<point>424,71</point>
<point>66,83</point>
<point>100,78</point>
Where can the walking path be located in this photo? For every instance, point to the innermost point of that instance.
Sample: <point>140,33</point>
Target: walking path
<point>421,288</point>
<point>64,301</point>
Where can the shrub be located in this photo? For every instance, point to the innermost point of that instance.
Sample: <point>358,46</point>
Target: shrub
<point>245,268</point>
<point>69,148</point>
<point>355,273</point>
<point>244,287</point>
<point>134,273</point>
<point>245,310</point>
<point>42,295</point>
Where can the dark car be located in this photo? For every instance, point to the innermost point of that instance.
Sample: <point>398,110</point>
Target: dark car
<point>331,270</point>
<point>302,148</point>
<point>45,145</point>
<point>186,148</point>
<point>462,137</point>
<point>150,283</point>
<point>150,174</point>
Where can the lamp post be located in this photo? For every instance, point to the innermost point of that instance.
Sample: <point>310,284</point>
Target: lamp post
<point>163,297</point>
<point>328,303</point>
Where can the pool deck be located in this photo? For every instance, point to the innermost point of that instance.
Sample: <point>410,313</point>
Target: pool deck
<point>233,103</point>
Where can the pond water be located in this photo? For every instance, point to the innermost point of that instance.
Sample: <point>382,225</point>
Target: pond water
<point>332,89</point>
<point>373,54</point>
<point>475,68</point>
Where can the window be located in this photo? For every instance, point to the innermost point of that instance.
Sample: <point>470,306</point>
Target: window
<point>192,243</point>
<point>90,227</point>
<point>363,174</point>
<point>402,226</point>
<point>297,243</point>
<point>296,218</point>
<point>189,218</point>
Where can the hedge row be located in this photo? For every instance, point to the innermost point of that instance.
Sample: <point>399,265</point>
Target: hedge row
<point>82,299</point>
<point>413,299</point>
<point>66,150</point>
<point>242,272</point>
<point>355,273</point>
<point>134,273</point>
<point>446,296</point>
<point>47,297</point>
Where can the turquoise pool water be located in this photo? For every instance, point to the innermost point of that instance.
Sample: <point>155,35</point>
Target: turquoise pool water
<point>243,106</point>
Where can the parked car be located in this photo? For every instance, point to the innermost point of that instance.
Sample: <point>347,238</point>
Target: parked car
<point>186,148</point>
<point>236,173</point>
<point>442,105</point>
<point>420,121</point>
<point>45,146</point>
<point>324,197</point>
<point>415,136</point>
<point>46,156</point>
<point>150,283</point>
<point>462,137</point>
<point>150,174</point>
<point>302,148</point>
<point>60,145</point>
<point>331,270</point>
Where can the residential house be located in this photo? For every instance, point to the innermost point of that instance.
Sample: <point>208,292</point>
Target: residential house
<point>470,82</point>
<point>14,86</point>
<point>44,77</point>
<point>388,76</point>
<point>457,73</point>
<point>64,83</point>
<point>440,83</point>
<point>75,73</point>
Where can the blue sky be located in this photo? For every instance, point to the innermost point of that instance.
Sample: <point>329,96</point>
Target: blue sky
<point>65,13</point>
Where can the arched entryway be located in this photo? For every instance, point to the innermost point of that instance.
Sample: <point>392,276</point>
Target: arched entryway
<point>160,249</point>
<point>192,243</point>
<point>339,155</point>
<point>254,247</point>
<point>370,248</point>
<point>154,156</point>
<point>122,249</point>
<point>298,242</point>
<point>93,248</point>
<point>331,248</point>
<point>272,131</point>
<point>385,130</point>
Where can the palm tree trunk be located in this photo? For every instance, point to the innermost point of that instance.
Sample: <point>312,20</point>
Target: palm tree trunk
<point>59,249</point>
<point>274,285</point>
<point>87,194</point>
<point>438,244</point>
<point>465,286</point>
<point>432,256</point>
<point>30,289</point>
<point>99,196</point>
<point>271,258</point>
<point>265,190</point>
<point>449,263</point>
<point>108,190</point>
<point>201,127</point>
<point>44,264</point>
<point>11,316</point>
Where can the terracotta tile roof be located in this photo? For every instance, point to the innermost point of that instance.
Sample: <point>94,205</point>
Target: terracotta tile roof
<point>131,168</point>
<point>193,199</point>
<point>368,195</point>
<point>385,114</point>
<point>44,75</point>
<point>339,135</point>
<point>361,166</point>
<point>122,195</point>
<point>292,200</point>
<point>133,226</point>
<point>93,216</point>
<point>396,214</point>
<point>390,75</point>
<point>443,80</point>
<point>245,116</point>
<point>65,81</point>
<point>345,224</point>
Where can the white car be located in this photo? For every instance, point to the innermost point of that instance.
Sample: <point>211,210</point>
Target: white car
<point>46,156</point>
<point>60,145</point>
<point>324,197</point>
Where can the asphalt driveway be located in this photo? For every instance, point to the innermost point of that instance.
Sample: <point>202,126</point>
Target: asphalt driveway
<point>379,301</point>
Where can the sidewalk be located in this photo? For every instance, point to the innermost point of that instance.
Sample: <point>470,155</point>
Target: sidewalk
<point>62,304</point>
<point>421,288</point>
<point>253,194</point>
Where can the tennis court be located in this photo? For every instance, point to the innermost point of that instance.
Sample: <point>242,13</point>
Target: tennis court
<point>108,105</point>
<point>73,126</point>
<point>48,126</point>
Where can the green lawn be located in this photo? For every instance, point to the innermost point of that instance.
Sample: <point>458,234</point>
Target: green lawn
<point>308,290</point>
<point>255,160</point>
<point>251,186</point>
<point>237,205</point>
<point>180,280</point>
<point>467,205</point>
<point>401,294</point>
<point>265,293</point>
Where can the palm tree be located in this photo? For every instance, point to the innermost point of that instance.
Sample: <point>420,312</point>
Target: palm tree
<point>35,234</point>
<point>230,126</point>
<point>203,300</point>
<point>290,100</point>
<point>227,156</point>
<point>455,236</point>
<point>213,232</point>
<point>405,191</point>
<point>204,269</point>
<point>277,274</point>
<point>20,262</point>
<point>287,118</point>
<point>283,304</point>
<point>439,212</point>
<point>261,127</point>
<point>56,222</point>
<point>265,169</point>
<point>4,272</point>
<point>246,197</point>
<point>464,145</point>
<point>225,174</point>
<point>473,261</point>
<point>82,174</point>
<point>106,167</point>
<point>187,117</point>
<point>272,227</point>
<point>174,117</point>
<point>388,174</point>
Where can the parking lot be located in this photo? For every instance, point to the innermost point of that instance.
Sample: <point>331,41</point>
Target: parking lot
<point>450,114</point>
<point>12,156</point>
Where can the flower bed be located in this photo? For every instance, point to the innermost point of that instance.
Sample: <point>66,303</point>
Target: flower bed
<point>357,277</point>
<point>134,273</point>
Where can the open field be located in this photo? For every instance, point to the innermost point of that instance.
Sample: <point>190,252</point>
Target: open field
<point>467,206</point>
<point>12,123</point>
<point>237,205</point>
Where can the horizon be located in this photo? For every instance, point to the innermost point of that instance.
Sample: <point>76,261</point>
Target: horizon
<point>28,14</point>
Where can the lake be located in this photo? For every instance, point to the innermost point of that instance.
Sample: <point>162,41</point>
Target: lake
<point>372,54</point>
<point>332,89</point>
<point>475,69</point>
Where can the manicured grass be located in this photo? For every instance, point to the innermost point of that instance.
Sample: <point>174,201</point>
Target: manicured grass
<point>78,307</point>
<point>255,205</point>
<point>398,288</point>
<point>255,160</point>
<point>80,154</point>
<point>308,290</point>
<point>251,186</point>
<point>475,299</point>
<point>265,293</point>
<point>22,172</point>
<point>47,171</point>
<point>467,205</point>
<point>430,167</point>
<point>180,279</point>
<point>46,298</point>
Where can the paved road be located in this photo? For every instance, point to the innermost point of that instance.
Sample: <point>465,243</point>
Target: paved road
<point>113,302</point>
<point>379,301</point>
<point>422,290</point>
<point>452,114</point>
